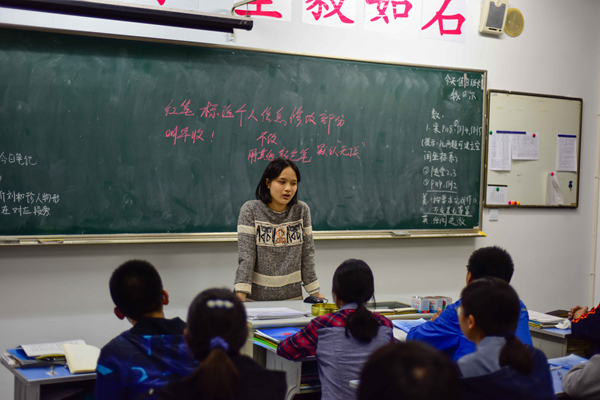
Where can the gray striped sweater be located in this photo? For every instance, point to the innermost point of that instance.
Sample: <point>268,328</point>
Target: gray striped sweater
<point>276,252</point>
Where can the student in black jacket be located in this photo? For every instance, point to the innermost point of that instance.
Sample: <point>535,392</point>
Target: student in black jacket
<point>215,333</point>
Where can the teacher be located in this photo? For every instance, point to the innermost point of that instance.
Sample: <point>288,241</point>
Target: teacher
<point>276,251</point>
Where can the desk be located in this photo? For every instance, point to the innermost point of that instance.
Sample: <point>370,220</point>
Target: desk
<point>36,384</point>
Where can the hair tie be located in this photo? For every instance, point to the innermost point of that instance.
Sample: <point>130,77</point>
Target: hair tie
<point>219,304</point>
<point>218,341</point>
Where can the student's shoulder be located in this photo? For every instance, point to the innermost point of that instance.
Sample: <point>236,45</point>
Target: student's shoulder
<point>384,321</point>
<point>302,206</point>
<point>251,205</point>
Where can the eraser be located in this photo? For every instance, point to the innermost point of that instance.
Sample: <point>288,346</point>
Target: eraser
<point>400,233</point>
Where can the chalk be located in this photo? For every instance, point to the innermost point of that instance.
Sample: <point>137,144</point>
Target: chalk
<point>400,233</point>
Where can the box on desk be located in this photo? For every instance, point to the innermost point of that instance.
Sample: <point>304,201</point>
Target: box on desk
<point>430,304</point>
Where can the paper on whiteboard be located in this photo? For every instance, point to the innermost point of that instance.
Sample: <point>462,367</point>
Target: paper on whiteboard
<point>566,153</point>
<point>554,195</point>
<point>526,147</point>
<point>497,194</point>
<point>500,152</point>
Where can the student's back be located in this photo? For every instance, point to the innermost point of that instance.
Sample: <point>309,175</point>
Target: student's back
<point>150,354</point>
<point>502,367</point>
<point>215,334</point>
<point>342,341</point>
<point>444,332</point>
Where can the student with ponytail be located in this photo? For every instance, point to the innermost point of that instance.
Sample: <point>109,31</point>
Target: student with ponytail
<point>342,341</point>
<point>501,367</point>
<point>216,331</point>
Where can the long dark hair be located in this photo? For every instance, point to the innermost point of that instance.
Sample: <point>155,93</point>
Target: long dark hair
<point>496,308</point>
<point>271,173</point>
<point>216,331</point>
<point>353,283</point>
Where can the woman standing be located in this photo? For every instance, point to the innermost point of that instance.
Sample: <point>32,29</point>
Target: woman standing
<point>276,251</point>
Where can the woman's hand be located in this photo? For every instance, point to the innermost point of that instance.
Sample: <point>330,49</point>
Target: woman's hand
<point>318,295</point>
<point>241,296</point>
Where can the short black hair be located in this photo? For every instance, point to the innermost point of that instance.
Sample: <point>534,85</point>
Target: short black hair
<point>410,371</point>
<point>136,289</point>
<point>491,261</point>
<point>271,173</point>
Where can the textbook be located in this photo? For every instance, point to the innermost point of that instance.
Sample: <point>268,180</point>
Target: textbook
<point>541,320</point>
<point>81,357</point>
<point>22,361</point>
<point>275,335</point>
<point>47,349</point>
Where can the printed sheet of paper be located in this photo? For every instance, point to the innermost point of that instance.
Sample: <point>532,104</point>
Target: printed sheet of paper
<point>496,194</point>
<point>500,152</point>
<point>526,146</point>
<point>554,194</point>
<point>566,153</point>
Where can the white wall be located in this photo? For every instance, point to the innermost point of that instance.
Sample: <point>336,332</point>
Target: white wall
<point>61,292</point>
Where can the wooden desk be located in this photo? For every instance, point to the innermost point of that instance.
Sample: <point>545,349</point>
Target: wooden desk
<point>36,384</point>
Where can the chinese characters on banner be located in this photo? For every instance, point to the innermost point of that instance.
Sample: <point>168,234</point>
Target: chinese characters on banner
<point>280,10</point>
<point>433,19</point>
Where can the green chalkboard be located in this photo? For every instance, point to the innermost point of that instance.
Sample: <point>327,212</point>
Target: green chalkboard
<point>109,136</point>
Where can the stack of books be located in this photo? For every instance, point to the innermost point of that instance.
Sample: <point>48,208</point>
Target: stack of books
<point>541,321</point>
<point>75,354</point>
<point>270,338</point>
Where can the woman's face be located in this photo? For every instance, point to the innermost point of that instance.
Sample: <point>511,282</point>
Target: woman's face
<point>282,189</point>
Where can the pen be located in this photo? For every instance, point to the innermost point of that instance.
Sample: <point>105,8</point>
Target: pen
<point>560,374</point>
<point>554,368</point>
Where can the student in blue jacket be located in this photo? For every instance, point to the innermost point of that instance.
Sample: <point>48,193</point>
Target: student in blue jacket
<point>501,367</point>
<point>443,331</point>
<point>150,354</point>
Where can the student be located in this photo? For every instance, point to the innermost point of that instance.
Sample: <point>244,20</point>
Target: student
<point>151,353</point>
<point>276,251</point>
<point>342,341</point>
<point>501,367</point>
<point>215,334</point>
<point>409,371</point>
<point>581,382</point>
<point>443,331</point>
<point>586,325</point>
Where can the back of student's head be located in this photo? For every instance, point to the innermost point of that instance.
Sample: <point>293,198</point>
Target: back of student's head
<point>353,283</point>
<point>409,371</point>
<point>491,261</point>
<point>216,331</point>
<point>496,309</point>
<point>136,289</point>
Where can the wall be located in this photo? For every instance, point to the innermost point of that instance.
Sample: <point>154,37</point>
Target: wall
<point>61,292</point>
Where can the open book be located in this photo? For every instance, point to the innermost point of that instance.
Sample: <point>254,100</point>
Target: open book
<point>81,357</point>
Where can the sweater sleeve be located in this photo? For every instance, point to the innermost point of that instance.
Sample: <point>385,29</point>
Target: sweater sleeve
<point>309,275</point>
<point>587,326</point>
<point>246,250</point>
<point>582,380</point>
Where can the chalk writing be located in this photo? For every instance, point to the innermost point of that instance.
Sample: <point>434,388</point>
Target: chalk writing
<point>451,144</point>
<point>17,158</point>
<point>28,197</point>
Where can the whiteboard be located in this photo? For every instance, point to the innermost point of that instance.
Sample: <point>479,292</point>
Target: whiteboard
<point>547,117</point>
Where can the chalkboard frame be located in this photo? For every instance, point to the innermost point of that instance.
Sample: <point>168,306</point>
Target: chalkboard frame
<point>486,151</point>
<point>145,238</point>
